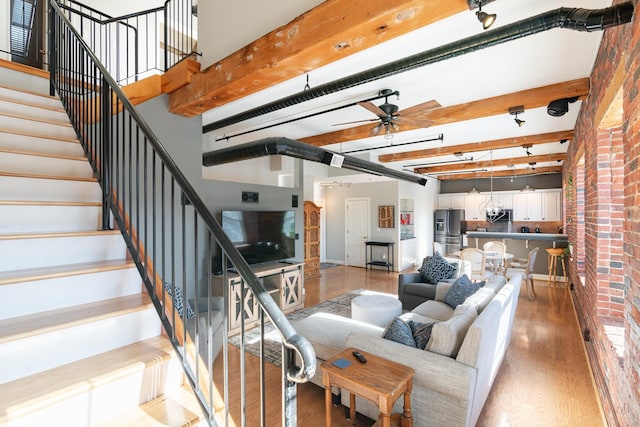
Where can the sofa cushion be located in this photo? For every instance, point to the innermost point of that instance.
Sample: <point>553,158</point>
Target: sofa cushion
<point>442,288</point>
<point>328,332</point>
<point>436,268</point>
<point>434,309</point>
<point>495,283</point>
<point>446,337</point>
<point>461,289</point>
<point>481,299</point>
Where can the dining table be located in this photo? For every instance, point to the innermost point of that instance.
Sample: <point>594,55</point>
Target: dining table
<point>496,258</point>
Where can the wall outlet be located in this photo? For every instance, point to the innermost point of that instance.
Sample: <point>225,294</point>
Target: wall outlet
<point>250,197</point>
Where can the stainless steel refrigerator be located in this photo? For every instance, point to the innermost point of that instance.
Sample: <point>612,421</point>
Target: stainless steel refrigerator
<point>448,229</point>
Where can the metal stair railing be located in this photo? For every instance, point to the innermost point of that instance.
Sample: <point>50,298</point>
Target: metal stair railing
<point>139,44</point>
<point>169,232</point>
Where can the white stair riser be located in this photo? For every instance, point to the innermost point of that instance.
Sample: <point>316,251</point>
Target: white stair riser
<point>26,125</point>
<point>101,400</point>
<point>34,112</point>
<point>46,351</point>
<point>36,219</point>
<point>19,163</point>
<point>40,145</point>
<point>31,98</point>
<point>25,298</point>
<point>16,188</point>
<point>47,252</point>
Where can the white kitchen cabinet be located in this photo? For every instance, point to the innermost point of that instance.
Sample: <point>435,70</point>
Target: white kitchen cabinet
<point>474,207</point>
<point>551,205</point>
<point>527,206</point>
<point>451,201</point>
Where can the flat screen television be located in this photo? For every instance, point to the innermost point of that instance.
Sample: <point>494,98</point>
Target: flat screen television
<point>261,236</point>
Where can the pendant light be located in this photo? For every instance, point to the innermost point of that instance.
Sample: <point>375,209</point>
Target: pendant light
<point>493,207</point>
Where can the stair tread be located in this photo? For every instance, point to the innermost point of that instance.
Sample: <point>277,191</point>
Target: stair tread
<point>39,135</point>
<point>43,273</point>
<point>40,176</point>
<point>55,384</point>
<point>38,120</point>
<point>31,104</point>
<point>20,236</point>
<point>48,321</point>
<point>47,203</point>
<point>179,407</point>
<point>41,154</point>
<point>30,92</point>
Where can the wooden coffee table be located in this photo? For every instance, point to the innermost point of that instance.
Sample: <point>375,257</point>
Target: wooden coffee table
<point>380,381</point>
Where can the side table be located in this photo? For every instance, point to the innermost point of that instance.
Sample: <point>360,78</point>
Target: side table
<point>379,380</point>
<point>368,255</point>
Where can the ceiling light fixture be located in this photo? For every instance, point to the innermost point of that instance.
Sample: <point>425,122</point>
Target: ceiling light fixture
<point>526,187</point>
<point>493,207</point>
<point>487,19</point>
<point>514,111</point>
<point>526,149</point>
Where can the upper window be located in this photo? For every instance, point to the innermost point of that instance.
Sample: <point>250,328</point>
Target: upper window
<point>22,15</point>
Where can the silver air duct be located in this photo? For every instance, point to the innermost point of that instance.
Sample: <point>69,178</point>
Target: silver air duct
<point>293,148</point>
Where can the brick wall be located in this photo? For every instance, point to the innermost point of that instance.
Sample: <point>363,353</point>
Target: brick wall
<point>611,293</point>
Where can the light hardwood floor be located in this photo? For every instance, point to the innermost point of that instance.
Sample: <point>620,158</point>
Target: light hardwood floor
<point>544,379</point>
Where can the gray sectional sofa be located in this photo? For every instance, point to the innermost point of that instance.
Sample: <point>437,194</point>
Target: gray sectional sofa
<point>455,371</point>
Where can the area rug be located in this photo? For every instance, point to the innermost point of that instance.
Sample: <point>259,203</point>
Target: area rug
<point>340,305</point>
<point>325,265</point>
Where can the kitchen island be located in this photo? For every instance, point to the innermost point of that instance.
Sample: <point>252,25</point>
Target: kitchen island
<point>519,244</point>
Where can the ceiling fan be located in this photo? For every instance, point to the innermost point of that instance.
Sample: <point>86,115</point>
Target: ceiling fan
<point>391,117</point>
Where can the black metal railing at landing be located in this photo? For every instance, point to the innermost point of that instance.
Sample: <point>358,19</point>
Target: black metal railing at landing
<point>170,234</point>
<point>131,46</point>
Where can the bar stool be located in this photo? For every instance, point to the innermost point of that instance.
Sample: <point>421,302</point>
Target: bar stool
<point>553,256</point>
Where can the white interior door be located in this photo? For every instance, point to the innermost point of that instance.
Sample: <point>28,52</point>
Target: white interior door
<point>357,230</point>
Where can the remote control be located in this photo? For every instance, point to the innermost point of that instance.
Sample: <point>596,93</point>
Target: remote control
<point>360,357</point>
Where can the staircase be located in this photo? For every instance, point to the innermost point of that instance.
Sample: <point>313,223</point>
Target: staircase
<point>80,341</point>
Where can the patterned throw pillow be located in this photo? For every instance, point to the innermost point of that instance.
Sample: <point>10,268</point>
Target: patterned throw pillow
<point>461,289</point>
<point>436,268</point>
<point>178,301</point>
<point>421,333</point>
<point>399,331</point>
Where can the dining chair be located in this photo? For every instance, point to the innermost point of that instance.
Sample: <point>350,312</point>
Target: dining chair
<point>477,260</point>
<point>495,246</point>
<point>524,267</point>
<point>437,247</point>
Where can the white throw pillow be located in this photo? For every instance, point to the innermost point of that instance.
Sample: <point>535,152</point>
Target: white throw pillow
<point>446,337</point>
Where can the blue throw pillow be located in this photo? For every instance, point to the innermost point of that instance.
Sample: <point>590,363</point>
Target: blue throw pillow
<point>421,333</point>
<point>461,289</point>
<point>399,331</point>
<point>436,268</point>
<point>178,301</point>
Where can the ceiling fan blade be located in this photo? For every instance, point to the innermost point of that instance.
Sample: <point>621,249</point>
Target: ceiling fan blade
<point>395,127</point>
<point>423,108</point>
<point>373,108</point>
<point>355,121</point>
<point>414,121</point>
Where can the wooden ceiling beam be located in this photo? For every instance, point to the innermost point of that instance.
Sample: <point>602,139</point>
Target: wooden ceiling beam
<point>331,31</point>
<point>500,174</point>
<point>472,147</point>
<point>491,163</point>
<point>530,98</point>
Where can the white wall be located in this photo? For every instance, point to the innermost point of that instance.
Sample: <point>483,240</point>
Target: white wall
<point>5,23</point>
<point>247,20</point>
<point>117,8</point>
<point>425,202</point>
